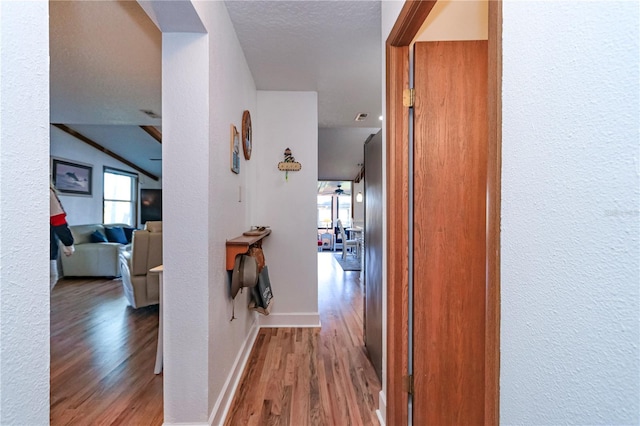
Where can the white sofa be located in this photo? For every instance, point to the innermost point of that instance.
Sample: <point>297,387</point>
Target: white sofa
<point>92,259</point>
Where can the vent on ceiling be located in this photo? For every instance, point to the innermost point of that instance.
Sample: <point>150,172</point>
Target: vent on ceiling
<point>150,113</point>
<point>361,117</point>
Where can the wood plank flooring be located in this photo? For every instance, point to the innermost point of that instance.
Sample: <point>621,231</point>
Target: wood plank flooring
<point>103,354</point>
<point>307,376</point>
<point>102,357</point>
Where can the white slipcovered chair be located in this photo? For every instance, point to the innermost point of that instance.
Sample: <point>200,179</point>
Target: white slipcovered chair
<point>140,287</point>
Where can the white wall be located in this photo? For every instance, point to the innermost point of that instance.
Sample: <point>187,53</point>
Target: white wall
<point>82,209</point>
<point>390,11</point>
<point>288,119</point>
<point>570,214</point>
<point>202,209</point>
<point>231,91</point>
<point>24,212</point>
<point>186,252</point>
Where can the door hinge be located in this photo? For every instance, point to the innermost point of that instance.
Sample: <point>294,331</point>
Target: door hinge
<point>408,97</point>
<point>408,384</point>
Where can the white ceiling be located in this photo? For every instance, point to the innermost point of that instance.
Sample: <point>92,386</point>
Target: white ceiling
<point>106,67</point>
<point>332,47</point>
<point>105,63</point>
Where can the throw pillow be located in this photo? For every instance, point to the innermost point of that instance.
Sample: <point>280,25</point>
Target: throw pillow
<point>115,235</point>
<point>97,237</point>
<point>128,232</point>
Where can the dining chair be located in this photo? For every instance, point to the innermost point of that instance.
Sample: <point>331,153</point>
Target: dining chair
<point>346,244</point>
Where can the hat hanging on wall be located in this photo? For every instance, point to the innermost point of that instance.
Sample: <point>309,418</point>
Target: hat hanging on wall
<point>289,164</point>
<point>245,273</point>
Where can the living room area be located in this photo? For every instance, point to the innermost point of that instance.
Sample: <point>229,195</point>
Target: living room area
<point>106,201</point>
<point>104,309</point>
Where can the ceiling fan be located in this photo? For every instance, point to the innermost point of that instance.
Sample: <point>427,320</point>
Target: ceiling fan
<point>340,191</point>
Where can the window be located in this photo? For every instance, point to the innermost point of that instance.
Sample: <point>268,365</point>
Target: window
<point>325,211</point>
<point>334,202</point>
<point>120,196</point>
<point>344,209</point>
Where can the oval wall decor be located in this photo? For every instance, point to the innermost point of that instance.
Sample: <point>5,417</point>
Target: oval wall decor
<point>246,134</point>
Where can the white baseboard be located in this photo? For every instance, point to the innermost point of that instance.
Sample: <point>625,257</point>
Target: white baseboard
<point>223,404</point>
<point>302,320</point>
<point>382,408</point>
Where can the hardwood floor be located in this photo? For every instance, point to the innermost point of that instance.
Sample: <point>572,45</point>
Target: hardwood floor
<point>307,376</point>
<point>102,357</point>
<point>103,354</point>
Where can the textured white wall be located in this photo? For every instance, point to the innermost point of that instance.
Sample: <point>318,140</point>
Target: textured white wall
<point>185,150</point>
<point>201,211</point>
<point>232,90</point>
<point>24,212</point>
<point>570,214</point>
<point>288,119</point>
<point>81,210</point>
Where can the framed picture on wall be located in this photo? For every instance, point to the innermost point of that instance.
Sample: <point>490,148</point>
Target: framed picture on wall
<point>72,178</point>
<point>235,150</point>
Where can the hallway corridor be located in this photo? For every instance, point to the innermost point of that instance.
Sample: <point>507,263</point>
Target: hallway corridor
<point>310,376</point>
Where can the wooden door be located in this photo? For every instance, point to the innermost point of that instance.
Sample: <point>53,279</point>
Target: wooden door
<point>373,251</point>
<point>450,225</point>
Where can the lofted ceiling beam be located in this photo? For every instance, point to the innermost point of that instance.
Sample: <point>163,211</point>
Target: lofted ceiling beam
<point>153,132</point>
<point>101,148</point>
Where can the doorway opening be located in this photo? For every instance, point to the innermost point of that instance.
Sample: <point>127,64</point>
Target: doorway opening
<point>399,372</point>
<point>335,210</point>
<point>103,351</point>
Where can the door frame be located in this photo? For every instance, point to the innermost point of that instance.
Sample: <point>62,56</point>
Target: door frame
<point>405,29</point>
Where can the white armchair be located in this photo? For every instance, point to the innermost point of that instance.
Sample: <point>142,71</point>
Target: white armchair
<point>140,287</point>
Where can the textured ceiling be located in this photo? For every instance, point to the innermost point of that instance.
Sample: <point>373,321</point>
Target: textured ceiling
<point>106,67</point>
<point>332,47</point>
<point>105,63</point>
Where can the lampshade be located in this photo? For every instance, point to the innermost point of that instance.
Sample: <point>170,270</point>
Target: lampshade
<point>359,197</point>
